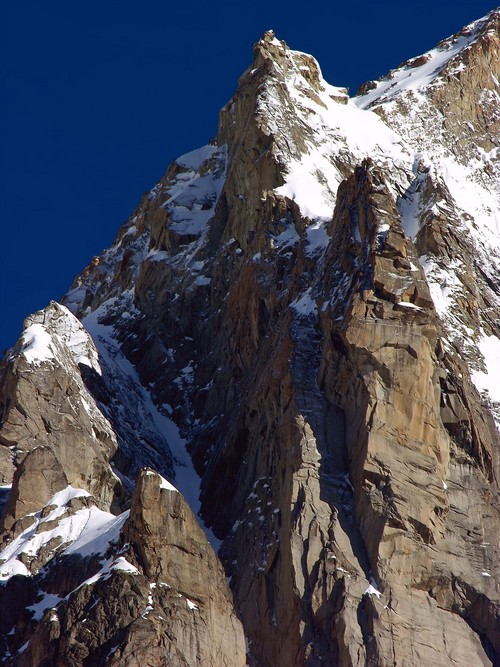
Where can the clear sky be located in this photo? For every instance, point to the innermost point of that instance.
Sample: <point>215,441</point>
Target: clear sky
<point>99,97</point>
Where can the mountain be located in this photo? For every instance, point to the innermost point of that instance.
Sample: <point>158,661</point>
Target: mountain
<point>262,428</point>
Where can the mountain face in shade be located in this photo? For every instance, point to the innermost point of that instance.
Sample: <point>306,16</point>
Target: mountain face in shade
<point>262,428</point>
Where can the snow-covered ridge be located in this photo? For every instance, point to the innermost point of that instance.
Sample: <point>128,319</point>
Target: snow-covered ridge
<point>472,210</point>
<point>190,197</point>
<point>424,70</point>
<point>335,133</point>
<point>188,193</point>
<point>86,532</point>
<point>465,182</point>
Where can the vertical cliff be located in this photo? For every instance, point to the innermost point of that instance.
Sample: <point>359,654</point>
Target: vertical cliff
<point>298,326</point>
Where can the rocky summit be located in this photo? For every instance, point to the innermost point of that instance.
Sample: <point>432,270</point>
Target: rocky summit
<point>262,428</point>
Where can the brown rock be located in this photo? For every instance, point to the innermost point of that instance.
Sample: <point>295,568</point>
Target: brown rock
<point>348,463</point>
<point>173,549</point>
<point>37,479</point>
<point>47,404</point>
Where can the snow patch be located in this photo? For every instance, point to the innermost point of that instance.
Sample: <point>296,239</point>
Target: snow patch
<point>164,483</point>
<point>88,531</point>
<point>408,304</point>
<point>194,159</point>
<point>123,565</point>
<point>37,344</point>
<point>48,601</point>
<point>59,331</point>
<point>71,333</point>
<point>489,346</point>
<point>305,305</point>
<point>372,590</point>
<point>99,530</point>
<point>193,196</point>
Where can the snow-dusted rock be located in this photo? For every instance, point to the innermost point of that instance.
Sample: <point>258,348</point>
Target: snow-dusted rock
<point>298,327</point>
<point>47,403</point>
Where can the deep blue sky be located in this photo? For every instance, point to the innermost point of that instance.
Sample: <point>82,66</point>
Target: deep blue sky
<point>99,97</point>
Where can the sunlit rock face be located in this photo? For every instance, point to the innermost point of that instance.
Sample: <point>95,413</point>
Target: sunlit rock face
<point>262,429</point>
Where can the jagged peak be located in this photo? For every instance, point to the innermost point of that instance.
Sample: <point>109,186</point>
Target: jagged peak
<point>273,57</point>
<point>269,36</point>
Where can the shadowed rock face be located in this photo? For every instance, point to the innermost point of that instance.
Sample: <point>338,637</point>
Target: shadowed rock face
<point>309,306</point>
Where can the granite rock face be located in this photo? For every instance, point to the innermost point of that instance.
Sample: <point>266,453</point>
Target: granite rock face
<point>47,405</point>
<point>298,327</point>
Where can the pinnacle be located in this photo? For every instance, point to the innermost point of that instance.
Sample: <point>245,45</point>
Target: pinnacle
<point>271,51</point>
<point>269,48</point>
<point>269,36</point>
